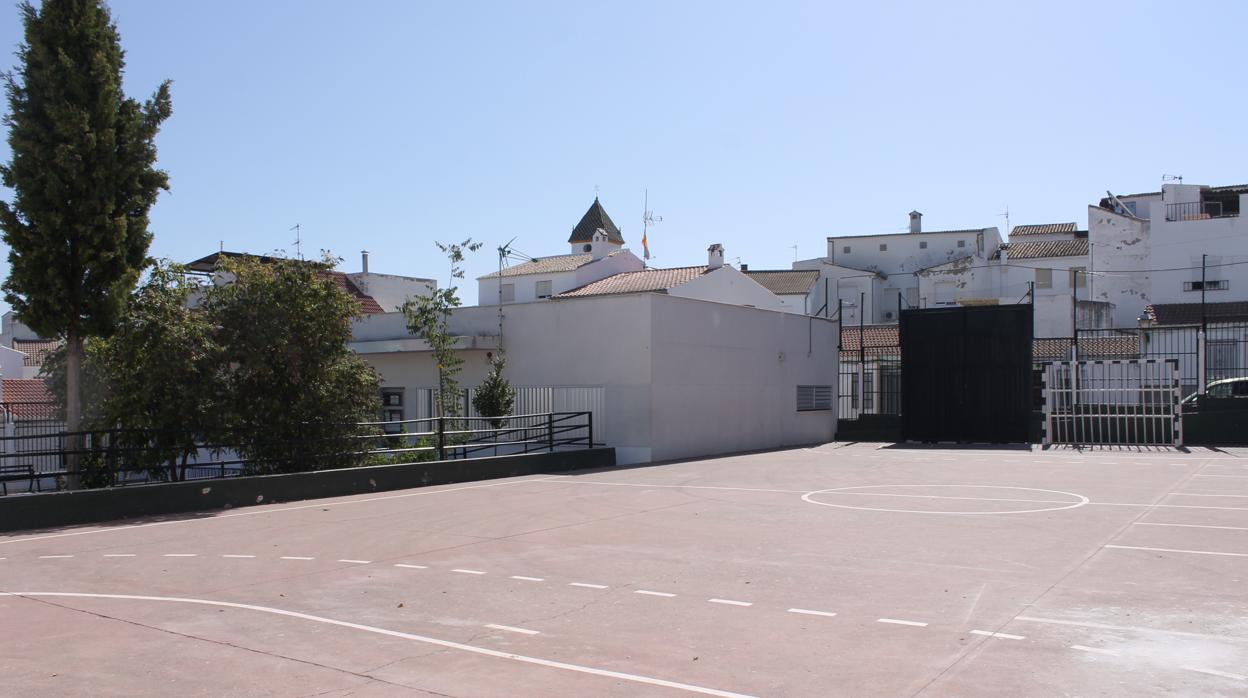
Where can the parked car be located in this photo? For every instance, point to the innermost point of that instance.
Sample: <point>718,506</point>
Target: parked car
<point>1228,387</point>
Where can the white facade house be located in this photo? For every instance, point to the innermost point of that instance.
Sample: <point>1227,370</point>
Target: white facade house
<point>1148,248</point>
<point>597,252</point>
<point>24,350</point>
<point>875,275</point>
<point>669,376</point>
<point>794,287</point>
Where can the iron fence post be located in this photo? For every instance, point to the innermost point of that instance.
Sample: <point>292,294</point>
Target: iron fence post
<point>550,431</point>
<point>590,422</point>
<point>441,438</point>
<point>112,458</point>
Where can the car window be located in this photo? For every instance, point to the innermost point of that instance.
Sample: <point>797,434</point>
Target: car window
<point>1219,390</point>
<point>1241,388</point>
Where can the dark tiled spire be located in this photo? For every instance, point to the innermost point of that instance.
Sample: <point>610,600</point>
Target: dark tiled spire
<point>596,217</point>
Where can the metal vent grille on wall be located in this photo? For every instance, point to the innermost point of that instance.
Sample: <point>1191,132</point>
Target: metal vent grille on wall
<point>814,397</point>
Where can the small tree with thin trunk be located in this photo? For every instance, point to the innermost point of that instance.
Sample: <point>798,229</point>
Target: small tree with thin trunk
<point>83,178</point>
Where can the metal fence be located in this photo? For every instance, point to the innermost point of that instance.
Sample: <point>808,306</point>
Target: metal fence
<point>870,382</point>
<point>39,460</point>
<point>1130,401</point>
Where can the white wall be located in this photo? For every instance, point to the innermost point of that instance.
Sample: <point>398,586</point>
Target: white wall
<point>846,284</point>
<point>1181,244</point>
<point>11,364</point>
<point>11,328</point>
<point>1121,262</point>
<point>728,285</point>
<point>905,253</point>
<point>391,291</point>
<point>526,284</point>
<point>655,356</point>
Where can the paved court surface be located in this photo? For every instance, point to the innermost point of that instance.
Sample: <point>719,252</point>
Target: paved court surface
<point>838,570</point>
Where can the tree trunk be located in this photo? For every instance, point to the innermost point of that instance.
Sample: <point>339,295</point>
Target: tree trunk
<point>73,406</point>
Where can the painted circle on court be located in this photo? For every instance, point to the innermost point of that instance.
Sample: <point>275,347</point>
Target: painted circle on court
<point>889,498</point>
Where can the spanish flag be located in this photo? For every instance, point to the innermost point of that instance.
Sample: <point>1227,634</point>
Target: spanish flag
<point>645,246</point>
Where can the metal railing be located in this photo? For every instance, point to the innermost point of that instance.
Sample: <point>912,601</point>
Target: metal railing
<point>118,457</point>
<point>1198,210</point>
<point>870,382</point>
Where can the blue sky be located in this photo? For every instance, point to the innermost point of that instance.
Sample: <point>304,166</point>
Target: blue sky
<point>389,125</point>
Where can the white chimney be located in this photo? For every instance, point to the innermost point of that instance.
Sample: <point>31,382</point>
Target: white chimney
<point>916,222</point>
<point>364,261</point>
<point>715,256</point>
<point>598,246</point>
<point>1005,253</point>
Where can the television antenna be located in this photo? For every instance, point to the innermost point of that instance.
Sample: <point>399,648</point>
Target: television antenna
<point>504,253</point>
<point>298,240</point>
<point>794,248</point>
<point>1172,178</point>
<point>647,219</point>
<point>1006,215</point>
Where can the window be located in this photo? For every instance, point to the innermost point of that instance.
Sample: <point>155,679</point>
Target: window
<point>845,249</point>
<point>392,409</point>
<point>1222,357</point>
<point>814,397</point>
<point>883,247</point>
<point>508,293</point>
<point>923,245</point>
<point>543,289</point>
<point>961,243</point>
<point>1044,278</point>
<point>1207,285</point>
<point>1078,277</point>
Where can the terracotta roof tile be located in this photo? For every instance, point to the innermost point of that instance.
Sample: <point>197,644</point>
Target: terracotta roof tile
<point>1115,347</point>
<point>1043,229</point>
<point>1048,248</point>
<point>27,398</point>
<point>1189,313</point>
<point>648,280</point>
<point>368,304</point>
<point>873,337</point>
<point>36,350</point>
<point>785,282</point>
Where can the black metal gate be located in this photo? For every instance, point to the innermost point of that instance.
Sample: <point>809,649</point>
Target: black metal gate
<point>968,374</point>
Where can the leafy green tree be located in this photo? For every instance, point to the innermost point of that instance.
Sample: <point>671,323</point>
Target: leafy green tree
<point>429,317</point>
<point>83,178</point>
<point>495,397</point>
<point>154,383</point>
<point>294,392</point>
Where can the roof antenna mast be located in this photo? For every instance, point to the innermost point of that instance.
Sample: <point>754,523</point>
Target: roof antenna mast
<point>1007,220</point>
<point>647,219</point>
<point>298,240</point>
<point>503,253</point>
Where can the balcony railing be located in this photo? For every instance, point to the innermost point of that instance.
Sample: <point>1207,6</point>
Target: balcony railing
<point>1197,211</point>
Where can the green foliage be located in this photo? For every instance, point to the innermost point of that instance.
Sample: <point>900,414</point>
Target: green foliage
<point>428,317</point>
<point>495,397</point>
<point>294,391</point>
<point>82,172</point>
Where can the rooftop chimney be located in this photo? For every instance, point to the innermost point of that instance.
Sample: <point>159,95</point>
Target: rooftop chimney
<point>599,246</point>
<point>715,256</point>
<point>745,267</point>
<point>364,261</point>
<point>916,222</point>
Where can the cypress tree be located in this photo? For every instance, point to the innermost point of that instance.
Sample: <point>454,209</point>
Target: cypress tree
<point>83,176</point>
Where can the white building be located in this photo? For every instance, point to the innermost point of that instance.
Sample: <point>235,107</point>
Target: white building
<point>874,275</point>
<point>22,351</point>
<point>794,287</point>
<point>1147,248</point>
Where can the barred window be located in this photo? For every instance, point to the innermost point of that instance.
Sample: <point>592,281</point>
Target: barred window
<point>814,397</point>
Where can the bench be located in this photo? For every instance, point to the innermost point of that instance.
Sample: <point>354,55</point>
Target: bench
<point>11,473</point>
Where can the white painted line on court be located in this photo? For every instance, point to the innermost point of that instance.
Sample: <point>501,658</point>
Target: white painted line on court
<point>1174,550</point>
<point>1004,636</point>
<point>512,629</point>
<point>730,602</point>
<point>1166,506</point>
<point>239,556</point>
<point>1234,477</point>
<point>1107,626</point>
<point>358,562</point>
<point>808,612</point>
<point>587,586</point>
<point>410,567</point>
<point>647,592</point>
<point>1215,672</point>
<point>296,557</point>
<point>1179,525</point>
<point>53,557</point>
<point>569,480</point>
<point>180,554</point>
<point>1095,650</point>
<point>527,579</point>
<point>1193,494</point>
<point>113,555</point>
<point>894,621</point>
<point>462,571</point>
<point>636,678</point>
<point>266,510</point>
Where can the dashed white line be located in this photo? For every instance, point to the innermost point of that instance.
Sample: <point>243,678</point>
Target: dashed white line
<point>180,554</point>
<point>808,612</point>
<point>730,602</point>
<point>894,621</point>
<point>1095,650</point>
<point>357,562</point>
<point>527,579</point>
<point>119,555</point>
<point>462,571</point>
<point>1175,550</point>
<point>53,557</point>
<point>1179,525</point>
<point>1215,672</point>
<point>238,556</point>
<point>587,586</point>
<point>511,629</point>
<point>296,557</point>
<point>410,567</point>
<point>1004,636</point>
<point>647,592</point>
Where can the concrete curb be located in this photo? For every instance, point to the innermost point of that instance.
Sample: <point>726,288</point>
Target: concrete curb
<point>55,509</point>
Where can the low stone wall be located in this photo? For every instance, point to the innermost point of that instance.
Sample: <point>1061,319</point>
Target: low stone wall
<point>55,509</point>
